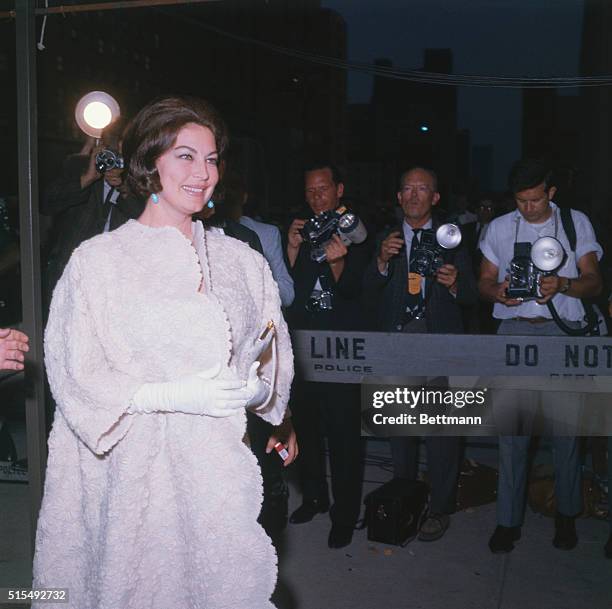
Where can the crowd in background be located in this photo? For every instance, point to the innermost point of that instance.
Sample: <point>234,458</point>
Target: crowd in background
<point>82,202</point>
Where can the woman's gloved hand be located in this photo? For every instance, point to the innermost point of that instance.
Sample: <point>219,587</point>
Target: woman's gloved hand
<point>260,390</point>
<point>205,393</point>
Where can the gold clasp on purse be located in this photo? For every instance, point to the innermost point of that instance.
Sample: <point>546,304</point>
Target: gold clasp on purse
<point>269,328</point>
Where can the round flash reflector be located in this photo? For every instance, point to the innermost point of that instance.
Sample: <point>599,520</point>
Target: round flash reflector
<point>96,111</point>
<point>97,115</point>
<point>547,254</point>
<point>448,236</point>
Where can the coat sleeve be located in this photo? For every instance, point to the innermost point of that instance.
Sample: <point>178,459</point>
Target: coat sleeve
<point>467,288</point>
<point>274,411</point>
<point>91,395</point>
<point>373,280</point>
<point>350,283</point>
<point>279,269</point>
<point>66,191</point>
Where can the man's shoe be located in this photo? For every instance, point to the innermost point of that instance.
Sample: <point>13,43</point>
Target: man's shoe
<point>565,532</point>
<point>503,538</point>
<point>434,527</point>
<point>308,510</point>
<point>340,536</point>
<point>608,547</point>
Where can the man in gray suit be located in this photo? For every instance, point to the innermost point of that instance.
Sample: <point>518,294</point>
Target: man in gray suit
<point>236,196</point>
<point>270,238</point>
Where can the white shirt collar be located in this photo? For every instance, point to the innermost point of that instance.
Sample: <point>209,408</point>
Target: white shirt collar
<point>114,196</point>
<point>425,226</point>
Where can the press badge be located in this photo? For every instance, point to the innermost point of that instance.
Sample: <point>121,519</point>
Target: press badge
<point>414,284</point>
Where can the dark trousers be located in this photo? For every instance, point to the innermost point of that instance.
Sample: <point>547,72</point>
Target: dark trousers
<point>442,467</point>
<point>332,410</point>
<point>610,482</point>
<point>271,464</point>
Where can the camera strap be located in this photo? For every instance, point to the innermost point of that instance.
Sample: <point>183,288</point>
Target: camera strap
<point>592,327</point>
<point>518,224</point>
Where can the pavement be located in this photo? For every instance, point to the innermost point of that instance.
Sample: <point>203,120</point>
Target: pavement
<point>457,571</point>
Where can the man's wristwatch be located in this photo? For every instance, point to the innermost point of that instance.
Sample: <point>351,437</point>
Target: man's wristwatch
<point>567,286</point>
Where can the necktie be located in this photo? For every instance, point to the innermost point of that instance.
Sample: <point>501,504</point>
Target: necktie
<point>414,302</point>
<point>107,209</point>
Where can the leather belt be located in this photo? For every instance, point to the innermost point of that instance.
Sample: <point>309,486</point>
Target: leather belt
<point>533,320</point>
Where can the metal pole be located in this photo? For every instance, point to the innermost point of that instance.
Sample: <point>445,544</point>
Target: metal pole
<point>25,27</point>
<point>104,6</point>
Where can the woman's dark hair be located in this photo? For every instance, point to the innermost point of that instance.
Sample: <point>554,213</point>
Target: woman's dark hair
<point>154,130</point>
<point>529,173</point>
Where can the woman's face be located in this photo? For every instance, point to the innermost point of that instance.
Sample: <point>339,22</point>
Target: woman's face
<point>188,171</point>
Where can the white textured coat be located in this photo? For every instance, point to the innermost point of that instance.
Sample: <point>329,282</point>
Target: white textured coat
<point>155,511</point>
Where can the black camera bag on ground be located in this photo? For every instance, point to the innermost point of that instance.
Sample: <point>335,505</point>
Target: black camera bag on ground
<point>394,511</point>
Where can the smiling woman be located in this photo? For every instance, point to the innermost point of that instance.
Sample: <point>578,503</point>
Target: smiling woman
<point>188,172</point>
<point>183,139</point>
<point>153,353</point>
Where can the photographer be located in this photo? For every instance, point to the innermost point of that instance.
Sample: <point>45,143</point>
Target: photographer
<point>327,297</point>
<point>406,298</point>
<point>537,216</point>
<point>85,201</point>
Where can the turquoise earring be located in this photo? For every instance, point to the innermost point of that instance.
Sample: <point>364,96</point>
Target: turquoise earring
<point>210,204</point>
<point>154,198</point>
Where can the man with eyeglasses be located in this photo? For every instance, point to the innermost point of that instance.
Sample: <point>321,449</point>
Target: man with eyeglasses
<point>327,297</point>
<point>405,301</point>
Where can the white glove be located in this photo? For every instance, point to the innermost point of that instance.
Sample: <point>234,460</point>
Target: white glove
<point>203,393</point>
<point>259,389</point>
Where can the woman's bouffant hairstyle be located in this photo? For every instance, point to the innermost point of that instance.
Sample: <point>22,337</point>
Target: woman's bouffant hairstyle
<point>153,131</point>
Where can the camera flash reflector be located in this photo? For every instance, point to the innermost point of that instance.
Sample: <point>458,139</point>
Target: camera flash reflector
<point>547,254</point>
<point>97,115</point>
<point>96,111</point>
<point>448,236</point>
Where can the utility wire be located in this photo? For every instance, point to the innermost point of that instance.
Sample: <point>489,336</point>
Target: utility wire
<point>419,76</point>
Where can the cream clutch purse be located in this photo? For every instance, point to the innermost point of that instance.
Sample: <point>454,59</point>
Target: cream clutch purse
<point>262,344</point>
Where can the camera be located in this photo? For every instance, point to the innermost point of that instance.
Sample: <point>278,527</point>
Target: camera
<point>108,159</point>
<point>430,254</point>
<point>319,230</point>
<point>530,263</point>
<point>320,300</point>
